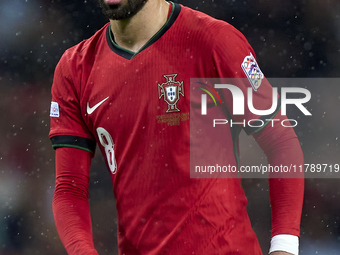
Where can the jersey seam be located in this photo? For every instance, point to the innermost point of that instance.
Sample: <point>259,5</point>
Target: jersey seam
<point>71,134</point>
<point>266,123</point>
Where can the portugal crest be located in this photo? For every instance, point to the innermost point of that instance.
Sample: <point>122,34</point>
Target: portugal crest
<point>171,90</point>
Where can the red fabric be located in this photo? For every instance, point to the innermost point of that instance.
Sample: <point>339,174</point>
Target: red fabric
<point>151,145</point>
<point>281,146</point>
<point>70,202</point>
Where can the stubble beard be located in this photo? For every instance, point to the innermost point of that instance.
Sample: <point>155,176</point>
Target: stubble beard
<point>121,11</point>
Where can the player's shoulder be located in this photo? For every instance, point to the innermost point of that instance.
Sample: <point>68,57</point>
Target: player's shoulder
<point>209,27</point>
<point>86,49</point>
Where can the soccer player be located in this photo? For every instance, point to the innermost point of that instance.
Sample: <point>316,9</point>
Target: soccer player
<point>111,90</point>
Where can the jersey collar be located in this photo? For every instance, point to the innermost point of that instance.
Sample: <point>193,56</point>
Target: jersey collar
<point>176,8</point>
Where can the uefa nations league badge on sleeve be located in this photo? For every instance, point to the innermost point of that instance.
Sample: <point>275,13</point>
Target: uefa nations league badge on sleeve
<point>252,71</point>
<point>54,111</point>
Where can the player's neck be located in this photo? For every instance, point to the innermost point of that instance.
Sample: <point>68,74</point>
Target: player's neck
<point>132,34</point>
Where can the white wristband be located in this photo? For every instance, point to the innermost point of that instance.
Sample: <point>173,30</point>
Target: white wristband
<point>287,243</point>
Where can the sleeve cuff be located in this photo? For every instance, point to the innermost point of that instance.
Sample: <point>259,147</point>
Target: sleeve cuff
<point>287,243</point>
<point>73,142</point>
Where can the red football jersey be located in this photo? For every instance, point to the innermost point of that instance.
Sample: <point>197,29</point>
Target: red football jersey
<point>121,100</point>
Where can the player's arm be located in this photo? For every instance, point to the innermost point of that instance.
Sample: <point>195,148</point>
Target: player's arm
<point>74,146</point>
<point>70,202</point>
<point>234,57</point>
<point>282,147</point>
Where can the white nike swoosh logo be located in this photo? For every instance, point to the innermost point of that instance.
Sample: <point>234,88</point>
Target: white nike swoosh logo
<point>92,109</point>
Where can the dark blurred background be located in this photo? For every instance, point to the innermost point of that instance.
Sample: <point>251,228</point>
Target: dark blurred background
<point>291,39</point>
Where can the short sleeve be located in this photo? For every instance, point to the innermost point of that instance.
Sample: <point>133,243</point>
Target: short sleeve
<point>67,126</point>
<point>236,65</point>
